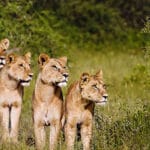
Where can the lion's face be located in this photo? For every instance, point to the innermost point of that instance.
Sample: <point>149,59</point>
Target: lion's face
<point>19,68</point>
<point>53,70</point>
<point>93,88</point>
<point>4,44</point>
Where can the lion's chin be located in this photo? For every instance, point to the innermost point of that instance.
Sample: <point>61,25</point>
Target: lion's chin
<point>1,66</point>
<point>101,103</point>
<point>25,84</point>
<point>62,84</point>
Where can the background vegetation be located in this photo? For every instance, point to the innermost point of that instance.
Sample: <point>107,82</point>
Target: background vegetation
<point>113,35</point>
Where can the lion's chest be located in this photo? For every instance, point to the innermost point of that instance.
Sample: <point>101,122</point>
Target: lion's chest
<point>79,115</point>
<point>8,97</point>
<point>48,113</point>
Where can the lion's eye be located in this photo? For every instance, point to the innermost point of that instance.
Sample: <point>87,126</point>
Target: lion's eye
<point>55,67</point>
<point>21,65</point>
<point>95,86</point>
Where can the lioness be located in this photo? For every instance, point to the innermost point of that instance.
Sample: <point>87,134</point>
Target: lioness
<point>48,99</point>
<point>4,44</point>
<point>79,107</point>
<point>14,75</point>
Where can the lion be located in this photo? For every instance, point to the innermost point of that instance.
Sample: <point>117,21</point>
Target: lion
<point>13,77</point>
<point>48,99</point>
<point>4,44</point>
<point>79,107</point>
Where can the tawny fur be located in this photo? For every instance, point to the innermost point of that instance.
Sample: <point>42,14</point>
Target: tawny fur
<point>79,107</point>
<point>48,99</point>
<point>14,75</point>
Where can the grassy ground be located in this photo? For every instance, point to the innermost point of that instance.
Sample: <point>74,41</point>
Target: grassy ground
<point>124,122</point>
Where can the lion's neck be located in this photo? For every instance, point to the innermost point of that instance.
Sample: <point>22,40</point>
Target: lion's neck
<point>7,81</point>
<point>44,91</point>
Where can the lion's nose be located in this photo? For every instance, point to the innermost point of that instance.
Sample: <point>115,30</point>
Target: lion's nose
<point>65,75</point>
<point>105,96</point>
<point>31,75</point>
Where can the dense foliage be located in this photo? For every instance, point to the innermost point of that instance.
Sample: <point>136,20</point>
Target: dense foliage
<point>54,24</point>
<point>100,18</point>
<point>132,11</point>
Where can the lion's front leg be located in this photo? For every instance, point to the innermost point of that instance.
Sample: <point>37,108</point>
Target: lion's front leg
<point>4,116</point>
<point>54,133</point>
<point>70,133</point>
<point>86,134</point>
<point>39,132</point>
<point>14,116</point>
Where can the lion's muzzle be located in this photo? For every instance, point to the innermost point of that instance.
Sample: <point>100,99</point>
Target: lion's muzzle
<point>2,61</point>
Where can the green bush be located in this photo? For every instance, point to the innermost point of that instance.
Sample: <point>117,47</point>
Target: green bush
<point>28,30</point>
<point>100,20</point>
<point>140,74</point>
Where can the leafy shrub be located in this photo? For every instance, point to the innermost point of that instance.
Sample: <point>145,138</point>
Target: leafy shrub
<point>29,30</point>
<point>140,74</point>
<point>133,11</point>
<point>94,18</point>
<point>100,21</point>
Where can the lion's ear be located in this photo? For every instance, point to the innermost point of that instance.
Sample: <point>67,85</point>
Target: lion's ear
<point>84,79</point>
<point>11,58</point>
<point>63,59</point>
<point>28,56</point>
<point>43,58</point>
<point>99,75</point>
<point>5,42</point>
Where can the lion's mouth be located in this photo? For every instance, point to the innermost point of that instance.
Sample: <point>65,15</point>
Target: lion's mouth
<point>102,102</point>
<point>2,62</point>
<point>25,82</point>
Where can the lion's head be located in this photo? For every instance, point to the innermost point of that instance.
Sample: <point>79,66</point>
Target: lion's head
<point>53,70</point>
<point>4,44</point>
<point>18,68</point>
<point>93,88</point>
